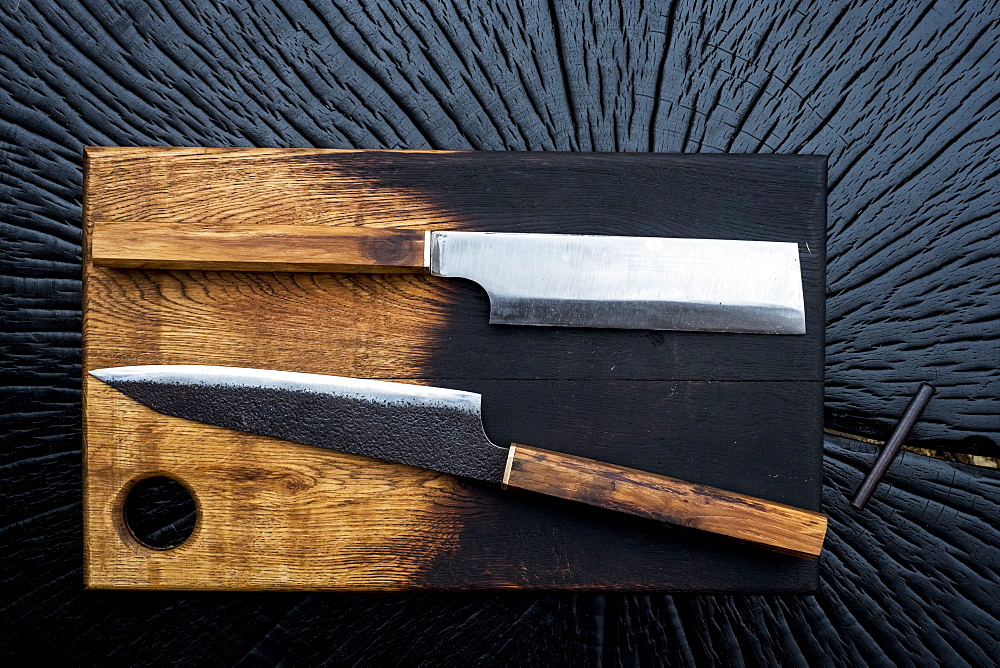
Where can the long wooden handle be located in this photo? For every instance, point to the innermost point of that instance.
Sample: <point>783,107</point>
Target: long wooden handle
<point>658,497</point>
<point>256,247</point>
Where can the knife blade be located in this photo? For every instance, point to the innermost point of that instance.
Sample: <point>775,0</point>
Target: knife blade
<point>441,429</point>
<point>564,280</point>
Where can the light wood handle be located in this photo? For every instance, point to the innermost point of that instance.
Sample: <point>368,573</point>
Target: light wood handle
<point>190,246</point>
<point>775,525</point>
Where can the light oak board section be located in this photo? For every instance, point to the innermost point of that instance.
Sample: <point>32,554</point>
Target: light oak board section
<point>271,514</point>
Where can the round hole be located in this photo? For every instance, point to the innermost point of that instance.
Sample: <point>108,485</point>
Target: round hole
<point>160,512</point>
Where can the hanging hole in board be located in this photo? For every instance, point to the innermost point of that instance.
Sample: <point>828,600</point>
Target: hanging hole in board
<point>160,512</point>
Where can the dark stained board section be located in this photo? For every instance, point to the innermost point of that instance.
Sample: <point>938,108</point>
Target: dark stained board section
<point>759,197</point>
<point>762,198</point>
<point>670,428</point>
<point>902,96</point>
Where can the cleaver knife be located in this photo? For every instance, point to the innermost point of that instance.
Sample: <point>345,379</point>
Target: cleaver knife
<point>565,280</point>
<point>441,429</point>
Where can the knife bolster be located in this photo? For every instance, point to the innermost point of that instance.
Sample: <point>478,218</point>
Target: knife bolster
<point>774,525</point>
<point>251,247</point>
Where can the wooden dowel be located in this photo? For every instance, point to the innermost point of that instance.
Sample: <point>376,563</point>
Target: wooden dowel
<point>892,446</point>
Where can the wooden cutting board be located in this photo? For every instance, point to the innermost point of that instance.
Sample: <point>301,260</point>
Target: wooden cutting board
<point>737,411</point>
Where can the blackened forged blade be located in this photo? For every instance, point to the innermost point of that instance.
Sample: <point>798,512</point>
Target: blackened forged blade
<point>429,427</point>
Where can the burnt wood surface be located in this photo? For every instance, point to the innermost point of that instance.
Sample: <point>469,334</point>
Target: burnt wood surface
<point>901,96</point>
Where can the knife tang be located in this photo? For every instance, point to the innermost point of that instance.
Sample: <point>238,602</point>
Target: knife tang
<point>775,525</point>
<point>187,246</point>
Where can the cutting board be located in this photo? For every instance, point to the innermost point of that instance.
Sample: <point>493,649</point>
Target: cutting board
<point>737,411</point>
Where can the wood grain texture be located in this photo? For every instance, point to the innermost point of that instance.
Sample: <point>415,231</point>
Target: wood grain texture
<point>424,329</point>
<point>901,95</point>
<point>271,514</point>
<point>138,245</point>
<point>666,499</point>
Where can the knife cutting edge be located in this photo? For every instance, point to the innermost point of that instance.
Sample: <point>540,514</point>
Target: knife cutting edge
<point>441,429</point>
<point>564,280</point>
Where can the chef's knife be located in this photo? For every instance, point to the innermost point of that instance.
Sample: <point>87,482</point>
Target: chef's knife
<point>566,280</point>
<point>441,429</point>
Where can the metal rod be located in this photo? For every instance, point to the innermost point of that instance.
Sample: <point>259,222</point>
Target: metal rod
<point>882,462</point>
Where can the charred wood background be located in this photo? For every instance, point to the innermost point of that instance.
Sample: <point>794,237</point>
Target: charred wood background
<point>902,97</point>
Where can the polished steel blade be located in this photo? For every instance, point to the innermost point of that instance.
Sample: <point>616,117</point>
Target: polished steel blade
<point>429,427</point>
<point>568,280</point>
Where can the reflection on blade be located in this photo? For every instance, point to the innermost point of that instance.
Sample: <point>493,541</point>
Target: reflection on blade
<point>629,282</point>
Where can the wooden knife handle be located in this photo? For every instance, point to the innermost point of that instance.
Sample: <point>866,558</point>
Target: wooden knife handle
<point>256,247</point>
<point>775,525</point>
